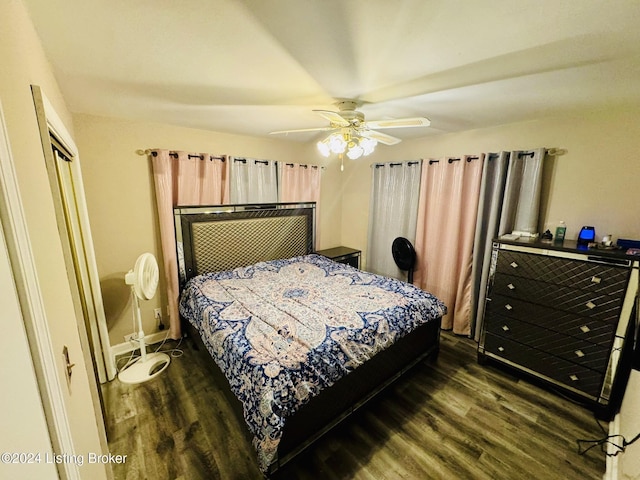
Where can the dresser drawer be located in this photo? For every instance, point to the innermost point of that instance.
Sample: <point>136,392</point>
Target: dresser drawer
<point>584,303</point>
<point>564,372</point>
<point>584,328</point>
<point>580,352</point>
<point>584,275</point>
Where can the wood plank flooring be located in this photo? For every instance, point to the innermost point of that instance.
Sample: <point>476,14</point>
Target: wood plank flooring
<point>453,419</point>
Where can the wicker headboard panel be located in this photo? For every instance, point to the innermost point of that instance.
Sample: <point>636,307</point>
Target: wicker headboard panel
<point>224,237</point>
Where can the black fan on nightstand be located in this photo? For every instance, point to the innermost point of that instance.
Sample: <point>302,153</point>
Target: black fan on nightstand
<point>404,255</point>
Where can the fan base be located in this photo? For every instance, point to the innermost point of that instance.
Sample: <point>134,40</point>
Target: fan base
<point>139,371</point>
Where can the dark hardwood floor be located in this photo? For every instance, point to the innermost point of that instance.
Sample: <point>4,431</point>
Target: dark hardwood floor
<point>453,419</point>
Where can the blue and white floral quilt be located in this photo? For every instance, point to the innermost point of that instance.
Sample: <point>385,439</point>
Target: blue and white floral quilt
<point>283,330</point>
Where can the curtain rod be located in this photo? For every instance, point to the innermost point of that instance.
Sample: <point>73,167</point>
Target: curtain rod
<point>304,166</point>
<point>468,158</point>
<point>396,164</point>
<point>554,152</point>
<point>175,155</point>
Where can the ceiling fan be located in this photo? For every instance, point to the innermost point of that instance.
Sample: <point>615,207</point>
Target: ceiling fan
<point>352,134</point>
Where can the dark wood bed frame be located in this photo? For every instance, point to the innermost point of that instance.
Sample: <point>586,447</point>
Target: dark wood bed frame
<point>331,406</point>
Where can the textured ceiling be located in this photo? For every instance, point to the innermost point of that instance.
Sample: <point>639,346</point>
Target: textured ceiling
<point>254,66</point>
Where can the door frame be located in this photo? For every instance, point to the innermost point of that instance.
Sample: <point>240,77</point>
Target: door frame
<point>50,125</point>
<point>24,272</point>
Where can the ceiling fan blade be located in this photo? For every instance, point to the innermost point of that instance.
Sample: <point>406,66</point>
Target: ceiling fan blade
<point>380,137</point>
<point>300,130</point>
<point>400,123</point>
<point>333,117</point>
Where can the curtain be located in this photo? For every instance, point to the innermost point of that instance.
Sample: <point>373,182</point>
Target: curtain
<point>252,181</point>
<point>446,223</point>
<point>395,189</point>
<point>521,203</point>
<point>489,208</point>
<point>301,183</point>
<point>181,178</point>
<point>509,202</point>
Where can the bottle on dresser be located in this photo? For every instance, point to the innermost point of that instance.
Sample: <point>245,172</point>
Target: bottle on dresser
<point>561,230</point>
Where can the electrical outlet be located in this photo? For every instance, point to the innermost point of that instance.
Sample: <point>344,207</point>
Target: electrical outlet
<point>157,314</point>
<point>131,337</point>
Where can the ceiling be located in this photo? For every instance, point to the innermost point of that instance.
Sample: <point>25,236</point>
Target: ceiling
<point>254,66</point>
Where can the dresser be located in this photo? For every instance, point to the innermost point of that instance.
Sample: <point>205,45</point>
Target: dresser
<point>564,315</point>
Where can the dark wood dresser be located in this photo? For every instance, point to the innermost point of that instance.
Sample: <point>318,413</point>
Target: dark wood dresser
<point>346,255</point>
<point>565,315</point>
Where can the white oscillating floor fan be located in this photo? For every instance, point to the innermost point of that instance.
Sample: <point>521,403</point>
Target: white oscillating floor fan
<point>143,280</point>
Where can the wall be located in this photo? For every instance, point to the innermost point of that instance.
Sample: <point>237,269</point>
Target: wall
<point>121,201</point>
<point>594,183</point>
<point>629,463</point>
<point>23,64</point>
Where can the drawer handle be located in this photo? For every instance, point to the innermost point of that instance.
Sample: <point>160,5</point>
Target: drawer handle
<point>574,377</point>
<point>590,305</point>
<point>514,264</point>
<point>501,349</point>
<point>508,307</point>
<point>511,286</point>
<point>596,279</point>
<point>585,329</point>
<point>579,353</point>
<point>505,328</point>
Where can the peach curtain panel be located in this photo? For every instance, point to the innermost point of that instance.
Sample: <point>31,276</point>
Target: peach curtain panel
<point>301,183</point>
<point>449,190</point>
<point>185,179</point>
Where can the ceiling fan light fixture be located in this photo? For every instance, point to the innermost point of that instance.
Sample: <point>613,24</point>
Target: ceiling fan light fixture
<point>323,148</point>
<point>354,151</point>
<point>337,144</point>
<point>352,134</point>
<point>354,145</point>
<point>368,145</point>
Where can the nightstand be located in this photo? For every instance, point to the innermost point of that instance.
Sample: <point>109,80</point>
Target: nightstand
<point>344,255</point>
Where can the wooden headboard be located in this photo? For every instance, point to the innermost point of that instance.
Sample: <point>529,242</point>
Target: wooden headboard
<point>224,237</point>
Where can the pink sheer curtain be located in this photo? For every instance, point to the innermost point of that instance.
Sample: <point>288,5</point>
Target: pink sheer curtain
<point>301,183</point>
<point>447,211</point>
<point>181,178</point>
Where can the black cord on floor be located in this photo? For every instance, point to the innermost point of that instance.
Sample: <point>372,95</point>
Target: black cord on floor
<point>621,444</point>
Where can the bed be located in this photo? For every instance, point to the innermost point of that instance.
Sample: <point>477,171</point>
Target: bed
<point>298,341</point>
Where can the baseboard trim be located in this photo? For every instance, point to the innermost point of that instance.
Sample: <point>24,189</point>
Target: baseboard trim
<point>611,472</point>
<point>127,347</point>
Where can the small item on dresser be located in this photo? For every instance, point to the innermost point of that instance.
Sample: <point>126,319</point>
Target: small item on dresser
<point>607,240</point>
<point>561,231</point>
<point>627,243</point>
<point>546,236</point>
<point>587,235</point>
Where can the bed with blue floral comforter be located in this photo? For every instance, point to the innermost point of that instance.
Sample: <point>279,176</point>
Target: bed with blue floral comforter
<point>283,330</point>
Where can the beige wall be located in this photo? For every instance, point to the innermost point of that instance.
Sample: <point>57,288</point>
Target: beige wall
<point>121,202</point>
<point>630,427</point>
<point>23,63</point>
<point>594,183</point>
<point>597,182</point>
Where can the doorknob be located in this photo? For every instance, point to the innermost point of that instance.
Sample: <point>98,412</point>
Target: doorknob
<point>68,364</point>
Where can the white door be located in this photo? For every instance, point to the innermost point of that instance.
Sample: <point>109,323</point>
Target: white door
<point>84,288</point>
<point>65,177</point>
